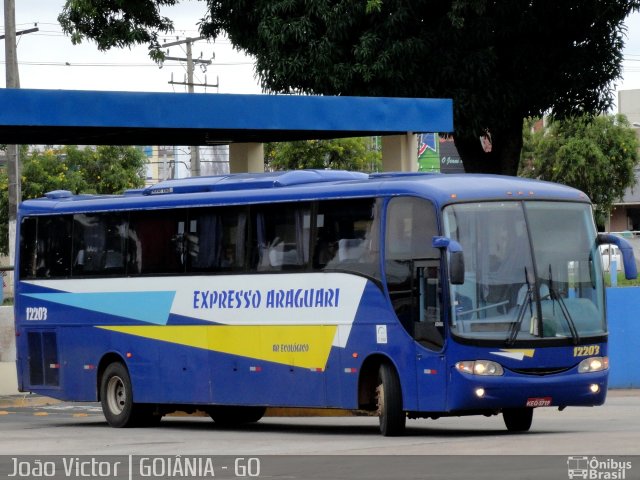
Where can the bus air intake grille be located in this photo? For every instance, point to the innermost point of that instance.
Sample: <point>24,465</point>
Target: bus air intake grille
<point>541,371</point>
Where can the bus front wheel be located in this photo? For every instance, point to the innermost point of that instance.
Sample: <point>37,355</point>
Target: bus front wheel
<point>389,402</point>
<point>116,397</point>
<point>517,419</point>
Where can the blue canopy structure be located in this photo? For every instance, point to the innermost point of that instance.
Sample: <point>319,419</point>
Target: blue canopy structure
<point>143,118</point>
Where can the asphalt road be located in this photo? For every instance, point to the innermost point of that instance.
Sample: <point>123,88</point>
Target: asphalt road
<point>612,430</point>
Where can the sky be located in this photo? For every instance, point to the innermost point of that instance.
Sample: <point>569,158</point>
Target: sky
<point>47,59</point>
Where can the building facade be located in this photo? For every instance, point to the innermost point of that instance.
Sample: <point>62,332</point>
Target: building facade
<point>625,214</point>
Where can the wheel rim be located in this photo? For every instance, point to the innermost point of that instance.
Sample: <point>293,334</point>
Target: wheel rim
<point>380,400</point>
<point>116,395</point>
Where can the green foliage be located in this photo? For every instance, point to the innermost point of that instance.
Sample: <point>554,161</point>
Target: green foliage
<point>43,172</point>
<point>108,169</point>
<point>117,24</point>
<point>501,61</point>
<point>340,154</point>
<point>373,6</point>
<point>622,281</point>
<point>105,170</point>
<point>596,154</point>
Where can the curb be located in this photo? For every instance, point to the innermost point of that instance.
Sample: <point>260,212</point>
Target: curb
<point>308,412</point>
<point>284,412</point>
<point>26,400</point>
<point>30,400</point>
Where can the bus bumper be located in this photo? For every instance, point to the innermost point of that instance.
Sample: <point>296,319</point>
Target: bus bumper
<point>472,392</point>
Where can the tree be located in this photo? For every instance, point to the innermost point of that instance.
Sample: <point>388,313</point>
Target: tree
<point>338,154</point>
<point>501,61</point>
<point>105,170</point>
<point>108,168</point>
<point>596,154</point>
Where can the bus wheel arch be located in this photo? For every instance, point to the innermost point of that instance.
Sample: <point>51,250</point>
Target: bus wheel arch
<point>367,381</point>
<point>380,390</point>
<point>116,396</point>
<point>105,361</point>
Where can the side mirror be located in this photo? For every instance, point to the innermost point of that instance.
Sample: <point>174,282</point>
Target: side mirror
<point>456,258</point>
<point>628,259</point>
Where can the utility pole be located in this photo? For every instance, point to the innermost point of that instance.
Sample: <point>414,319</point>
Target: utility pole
<point>13,162</point>
<point>13,81</point>
<point>191,62</point>
<point>13,151</point>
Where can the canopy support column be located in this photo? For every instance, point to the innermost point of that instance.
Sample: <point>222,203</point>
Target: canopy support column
<point>400,153</point>
<point>246,157</point>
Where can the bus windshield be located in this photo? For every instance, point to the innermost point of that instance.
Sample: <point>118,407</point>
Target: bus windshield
<point>531,271</point>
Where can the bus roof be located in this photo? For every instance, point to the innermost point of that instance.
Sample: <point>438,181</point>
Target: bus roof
<point>246,188</point>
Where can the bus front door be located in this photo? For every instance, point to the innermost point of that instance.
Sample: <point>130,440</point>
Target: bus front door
<point>428,332</point>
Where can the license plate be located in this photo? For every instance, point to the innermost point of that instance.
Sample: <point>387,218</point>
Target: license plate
<point>539,402</point>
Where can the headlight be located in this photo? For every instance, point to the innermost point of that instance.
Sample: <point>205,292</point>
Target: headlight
<point>480,367</point>
<point>593,364</point>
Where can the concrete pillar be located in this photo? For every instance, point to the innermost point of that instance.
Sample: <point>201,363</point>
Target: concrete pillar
<point>400,153</point>
<point>246,157</point>
<point>8,376</point>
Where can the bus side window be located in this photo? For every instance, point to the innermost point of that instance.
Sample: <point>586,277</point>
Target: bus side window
<point>28,247</point>
<point>216,239</point>
<point>88,245</point>
<point>281,236</point>
<point>156,241</point>
<point>429,327</point>
<point>347,236</point>
<point>53,250</point>
<point>99,244</point>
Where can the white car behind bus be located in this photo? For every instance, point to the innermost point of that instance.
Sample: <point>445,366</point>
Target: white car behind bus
<point>610,253</point>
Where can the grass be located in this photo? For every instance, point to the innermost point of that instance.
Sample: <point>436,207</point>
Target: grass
<point>622,282</point>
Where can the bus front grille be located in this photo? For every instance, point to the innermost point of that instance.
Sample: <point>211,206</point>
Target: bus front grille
<point>541,371</point>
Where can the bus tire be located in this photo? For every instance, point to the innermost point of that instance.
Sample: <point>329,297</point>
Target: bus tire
<point>517,419</point>
<point>116,397</point>
<point>227,416</point>
<point>389,402</point>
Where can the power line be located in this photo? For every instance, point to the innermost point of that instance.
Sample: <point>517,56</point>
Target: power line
<point>118,64</point>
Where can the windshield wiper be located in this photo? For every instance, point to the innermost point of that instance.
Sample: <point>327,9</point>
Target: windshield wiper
<point>553,293</point>
<point>515,328</point>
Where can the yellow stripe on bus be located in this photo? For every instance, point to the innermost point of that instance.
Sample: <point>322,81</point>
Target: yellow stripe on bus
<point>306,346</point>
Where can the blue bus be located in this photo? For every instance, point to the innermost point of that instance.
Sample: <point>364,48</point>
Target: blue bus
<point>401,295</point>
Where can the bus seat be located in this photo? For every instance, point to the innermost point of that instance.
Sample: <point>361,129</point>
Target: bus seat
<point>283,254</point>
<point>113,260</point>
<point>350,249</point>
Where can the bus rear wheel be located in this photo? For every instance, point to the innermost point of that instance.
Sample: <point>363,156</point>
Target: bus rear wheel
<point>518,419</point>
<point>227,416</point>
<point>116,397</point>
<point>389,402</point>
